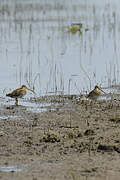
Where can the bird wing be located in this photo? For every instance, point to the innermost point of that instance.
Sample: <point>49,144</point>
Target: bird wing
<point>15,93</point>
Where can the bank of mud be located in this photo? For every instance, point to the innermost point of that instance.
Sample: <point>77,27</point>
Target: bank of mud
<point>75,139</point>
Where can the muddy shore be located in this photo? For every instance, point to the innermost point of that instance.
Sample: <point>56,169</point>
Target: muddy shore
<point>71,140</point>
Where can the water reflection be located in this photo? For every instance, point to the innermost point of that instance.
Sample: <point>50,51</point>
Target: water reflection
<point>35,48</point>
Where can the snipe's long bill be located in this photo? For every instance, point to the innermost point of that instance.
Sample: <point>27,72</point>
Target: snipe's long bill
<point>18,93</point>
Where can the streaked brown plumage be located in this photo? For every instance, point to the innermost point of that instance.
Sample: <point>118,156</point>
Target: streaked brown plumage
<point>18,93</point>
<point>95,93</point>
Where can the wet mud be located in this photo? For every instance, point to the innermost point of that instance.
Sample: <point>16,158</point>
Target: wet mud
<point>73,139</point>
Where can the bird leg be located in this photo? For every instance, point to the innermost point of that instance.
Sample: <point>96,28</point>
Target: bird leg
<point>16,101</point>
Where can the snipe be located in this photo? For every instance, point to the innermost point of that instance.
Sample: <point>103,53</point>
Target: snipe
<point>95,93</point>
<point>18,93</point>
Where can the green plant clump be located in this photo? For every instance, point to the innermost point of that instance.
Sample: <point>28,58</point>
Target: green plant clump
<point>77,28</point>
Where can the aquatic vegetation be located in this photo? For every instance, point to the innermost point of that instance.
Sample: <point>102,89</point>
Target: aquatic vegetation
<point>74,28</point>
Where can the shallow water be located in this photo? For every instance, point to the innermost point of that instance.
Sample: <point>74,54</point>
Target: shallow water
<point>27,167</point>
<point>7,117</point>
<point>37,50</point>
<point>33,106</point>
<point>10,169</point>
